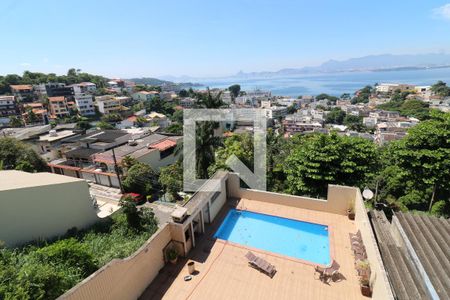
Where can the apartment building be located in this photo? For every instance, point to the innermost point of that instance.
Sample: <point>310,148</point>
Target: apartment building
<point>59,90</point>
<point>22,92</point>
<point>84,87</point>
<point>391,87</point>
<point>8,106</point>
<point>85,104</point>
<point>58,107</point>
<point>145,96</point>
<point>35,113</point>
<point>108,104</point>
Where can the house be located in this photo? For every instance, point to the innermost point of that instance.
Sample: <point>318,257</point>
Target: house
<point>84,88</point>
<point>155,150</point>
<point>276,112</point>
<point>145,96</point>
<point>85,104</point>
<point>39,112</point>
<point>49,143</point>
<point>8,107</point>
<point>109,104</point>
<point>59,90</point>
<point>391,87</point>
<point>58,107</point>
<point>370,122</point>
<point>22,92</point>
<point>200,230</point>
<point>187,102</point>
<point>35,206</point>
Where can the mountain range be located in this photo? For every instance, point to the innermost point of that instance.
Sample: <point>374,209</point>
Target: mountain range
<point>383,62</point>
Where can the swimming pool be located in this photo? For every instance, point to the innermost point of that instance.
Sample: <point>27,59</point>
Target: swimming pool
<point>302,240</point>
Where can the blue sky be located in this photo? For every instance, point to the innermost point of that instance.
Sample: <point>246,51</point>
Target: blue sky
<point>210,37</point>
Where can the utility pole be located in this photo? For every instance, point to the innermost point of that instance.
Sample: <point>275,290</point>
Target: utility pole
<point>116,168</point>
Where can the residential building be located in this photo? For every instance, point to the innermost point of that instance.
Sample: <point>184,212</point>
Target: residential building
<point>58,107</point>
<point>221,267</point>
<point>370,122</point>
<point>276,112</point>
<point>85,104</point>
<point>8,106</point>
<point>22,92</point>
<point>49,142</point>
<point>37,206</point>
<point>145,96</point>
<point>59,90</point>
<point>108,104</point>
<point>39,112</point>
<point>84,88</point>
<point>391,87</point>
<point>226,97</point>
<point>155,150</point>
<point>187,102</point>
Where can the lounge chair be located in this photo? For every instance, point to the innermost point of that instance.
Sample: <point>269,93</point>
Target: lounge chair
<point>260,264</point>
<point>328,272</point>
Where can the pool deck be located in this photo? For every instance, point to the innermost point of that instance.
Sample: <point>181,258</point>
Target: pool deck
<point>223,271</point>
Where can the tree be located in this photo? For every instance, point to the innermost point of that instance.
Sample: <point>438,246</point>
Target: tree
<point>319,160</point>
<point>174,128</point>
<point>354,123</point>
<point>141,121</point>
<point>140,179</point>
<point>417,167</point>
<point>83,124</point>
<point>128,161</point>
<point>17,155</point>
<point>183,93</point>
<point>234,90</point>
<point>291,109</point>
<point>130,209</point>
<point>440,88</point>
<point>362,96</point>
<point>15,122</point>
<point>171,178</point>
<point>335,116</point>
<point>323,96</point>
<point>104,125</point>
<point>112,118</point>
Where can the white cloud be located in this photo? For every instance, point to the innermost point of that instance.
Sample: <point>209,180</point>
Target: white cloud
<point>442,12</point>
<point>24,64</point>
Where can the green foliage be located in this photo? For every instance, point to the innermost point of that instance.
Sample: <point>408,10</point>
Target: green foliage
<point>17,155</point>
<point>160,106</point>
<point>104,125</point>
<point>112,118</point>
<point>319,160</point>
<point>354,123</point>
<point>335,116</point>
<point>15,122</point>
<point>417,168</point>
<point>407,108</point>
<point>234,89</point>
<point>331,99</point>
<point>183,93</point>
<point>174,128</point>
<point>140,179</point>
<point>177,116</point>
<point>362,96</point>
<point>83,124</point>
<point>48,270</point>
<point>73,76</point>
<point>171,178</point>
<point>440,88</point>
<point>441,209</point>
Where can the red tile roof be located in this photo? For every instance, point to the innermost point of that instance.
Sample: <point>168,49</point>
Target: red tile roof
<point>56,99</point>
<point>163,145</point>
<point>19,87</point>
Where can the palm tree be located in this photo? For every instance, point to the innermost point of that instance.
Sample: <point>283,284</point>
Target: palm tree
<point>206,142</point>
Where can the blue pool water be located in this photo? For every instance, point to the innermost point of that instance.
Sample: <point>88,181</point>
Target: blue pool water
<point>302,240</point>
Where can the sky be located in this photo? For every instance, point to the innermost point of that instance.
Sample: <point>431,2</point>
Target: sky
<point>205,38</point>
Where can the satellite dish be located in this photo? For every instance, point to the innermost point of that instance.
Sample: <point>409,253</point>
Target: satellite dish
<point>367,194</point>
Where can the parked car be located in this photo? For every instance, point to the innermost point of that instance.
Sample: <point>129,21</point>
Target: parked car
<point>137,198</point>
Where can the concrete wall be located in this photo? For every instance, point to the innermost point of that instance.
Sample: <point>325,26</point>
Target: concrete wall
<point>339,197</point>
<point>215,207</point>
<point>123,279</point>
<point>44,211</point>
<point>379,281</point>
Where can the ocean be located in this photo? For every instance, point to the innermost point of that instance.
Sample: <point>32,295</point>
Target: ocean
<point>334,84</point>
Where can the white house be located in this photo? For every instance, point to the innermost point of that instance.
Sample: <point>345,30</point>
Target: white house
<point>85,104</point>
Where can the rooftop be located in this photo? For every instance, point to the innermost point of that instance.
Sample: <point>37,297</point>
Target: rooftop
<point>55,136</point>
<point>56,99</point>
<point>20,87</point>
<point>12,179</point>
<point>223,271</point>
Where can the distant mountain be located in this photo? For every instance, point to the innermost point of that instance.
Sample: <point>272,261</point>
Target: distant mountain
<point>150,81</point>
<point>367,63</point>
